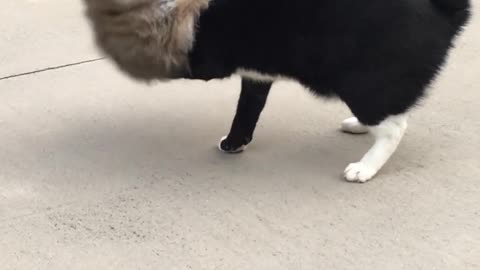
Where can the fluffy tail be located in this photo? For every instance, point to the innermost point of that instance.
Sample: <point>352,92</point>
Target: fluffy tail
<point>457,10</point>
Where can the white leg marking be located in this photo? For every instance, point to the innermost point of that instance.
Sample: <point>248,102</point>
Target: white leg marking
<point>388,135</point>
<point>352,125</point>
<point>235,151</point>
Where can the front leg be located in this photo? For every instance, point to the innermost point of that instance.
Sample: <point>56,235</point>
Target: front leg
<point>253,98</point>
<point>388,135</point>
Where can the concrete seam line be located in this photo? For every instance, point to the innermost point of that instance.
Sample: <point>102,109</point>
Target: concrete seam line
<point>50,69</point>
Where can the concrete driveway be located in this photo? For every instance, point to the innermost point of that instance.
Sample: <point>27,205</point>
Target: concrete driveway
<point>98,172</point>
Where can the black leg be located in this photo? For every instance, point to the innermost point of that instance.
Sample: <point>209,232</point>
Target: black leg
<point>252,101</point>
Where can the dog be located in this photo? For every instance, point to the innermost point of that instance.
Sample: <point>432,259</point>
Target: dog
<point>377,56</point>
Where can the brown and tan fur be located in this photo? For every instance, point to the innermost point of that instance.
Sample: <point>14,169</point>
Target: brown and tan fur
<point>148,39</point>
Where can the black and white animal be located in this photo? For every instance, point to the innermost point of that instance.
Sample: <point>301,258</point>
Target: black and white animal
<point>377,56</point>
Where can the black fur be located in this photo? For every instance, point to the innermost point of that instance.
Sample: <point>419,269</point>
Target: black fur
<point>378,56</point>
<point>252,101</point>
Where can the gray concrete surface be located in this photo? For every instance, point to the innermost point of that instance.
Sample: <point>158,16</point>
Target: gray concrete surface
<point>98,172</point>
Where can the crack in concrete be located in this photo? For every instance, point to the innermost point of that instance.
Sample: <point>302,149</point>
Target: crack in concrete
<point>50,69</point>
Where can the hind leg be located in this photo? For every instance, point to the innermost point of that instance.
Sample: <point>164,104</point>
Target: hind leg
<point>253,98</point>
<point>388,135</point>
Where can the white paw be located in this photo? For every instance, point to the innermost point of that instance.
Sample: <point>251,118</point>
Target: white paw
<point>352,125</point>
<point>359,172</point>
<point>234,151</point>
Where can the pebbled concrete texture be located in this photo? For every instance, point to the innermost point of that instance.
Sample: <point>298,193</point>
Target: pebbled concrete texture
<point>99,172</point>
